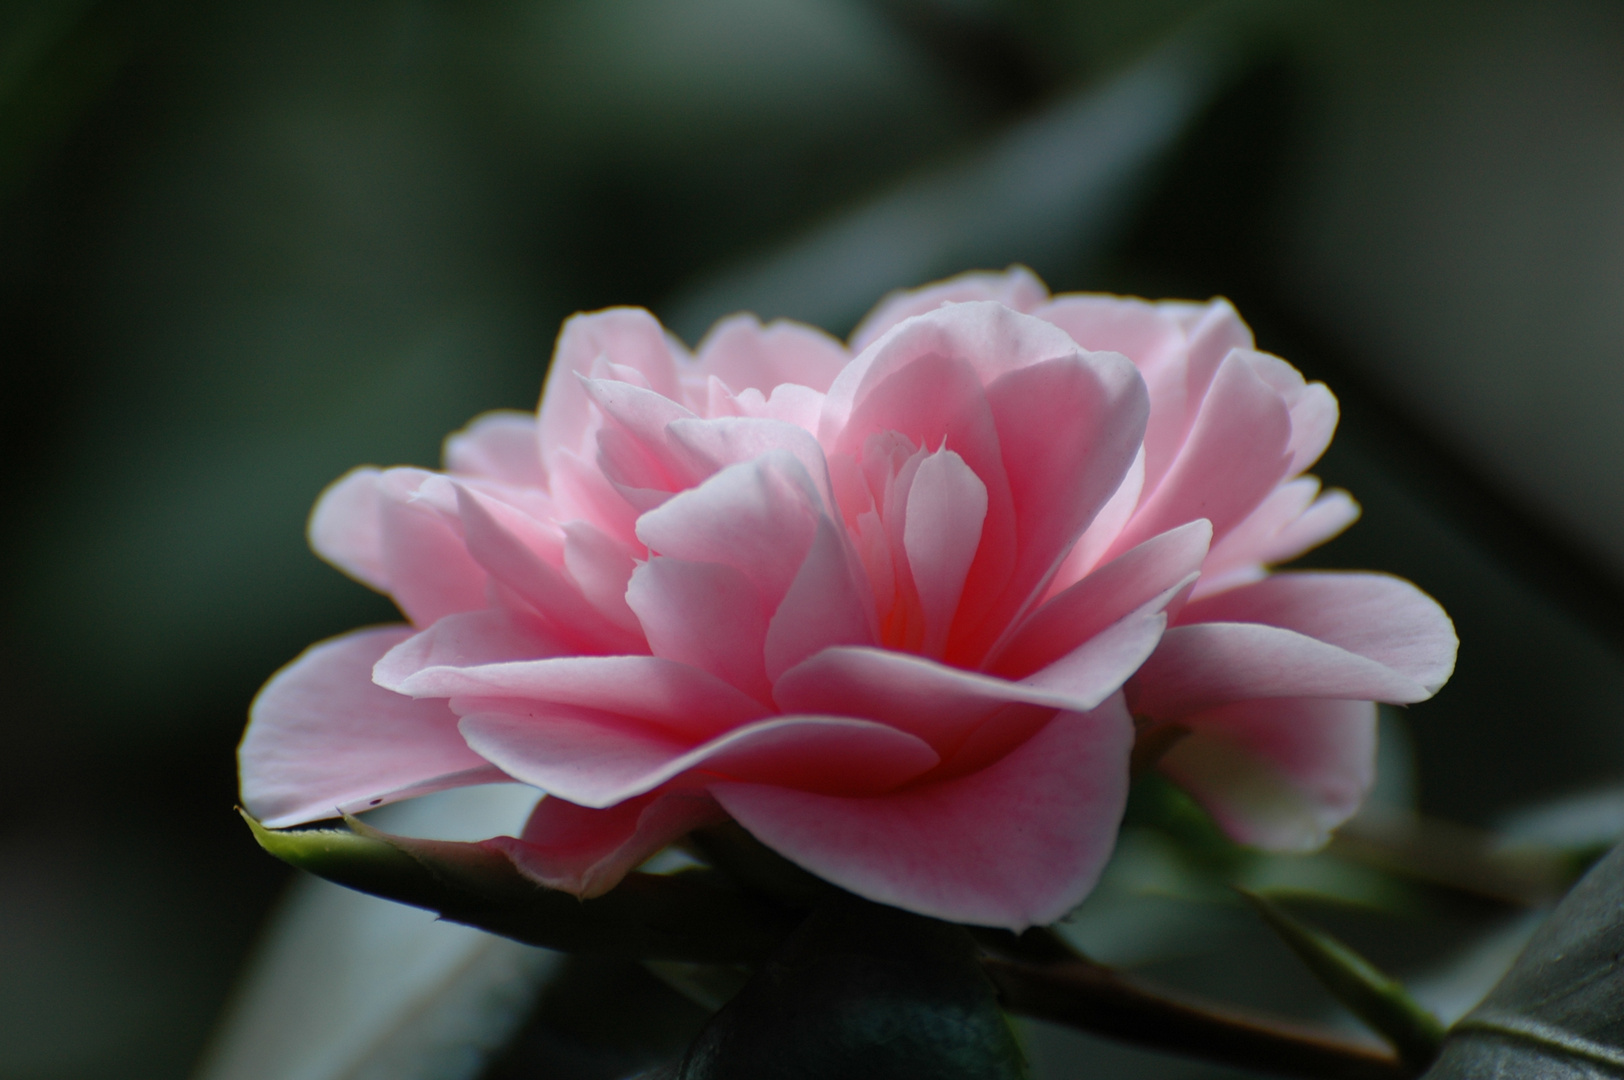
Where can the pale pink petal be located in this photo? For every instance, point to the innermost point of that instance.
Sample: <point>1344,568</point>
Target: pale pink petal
<point>1213,332</point>
<point>630,337</point>
<point>757,516</point>
<point>1208,664</point>
<point>601,568</point>
<point>632,447</point>
<point>1278,774</point>
<point>1016,288</point>
<point>1121,324</point>
<point>1314,415</point>
<point>946,506</point>
<point>1373,615</point>
<point>1102,533</point>
<point>713,445</point>
<point>512,546</point>
<point>924,386</point>
<point>467,639</point>
<point>1017,844</point>
<point>689,703</point>
<point>322,738</point>
<point>499,445</point>
<point>828,603</point>
<point>932,700</point>
<point>595,765</point>
<point>1069,430</point>
<point>707,615</point>
<point>346,527</point>
<point>1131,580</point>
<point>1233,458</point>
<point>746,355</point>
<point>429,569</point>
<point>1331,513</point>
<point>587,852</point>
<point>581,493</point>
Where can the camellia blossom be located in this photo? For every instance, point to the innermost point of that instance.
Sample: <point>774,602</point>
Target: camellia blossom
<point>902,611</point>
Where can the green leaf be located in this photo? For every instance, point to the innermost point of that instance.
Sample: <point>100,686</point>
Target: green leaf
<point>1559,1012</point>
<point>858,992</point>
<point>694,915</point>
<point>1374,997</point>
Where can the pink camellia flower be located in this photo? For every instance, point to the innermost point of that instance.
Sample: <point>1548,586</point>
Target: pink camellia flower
<point>900,614</point>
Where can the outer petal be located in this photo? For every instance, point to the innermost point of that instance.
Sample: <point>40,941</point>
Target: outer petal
<point>1131,580</point>
<point>1287,523</point>
<point>587,852</point>
<point>1208,664</point>
<point>1017,287</point>
<point>746,355</point>
<point>1278,774</point>
<point>322,738</point>
<point>1374,615</point>
<point>1233,457</point>
<point>430,571</point>
<point>1017,844</point>
<point>941,704</point>
<point>346,527</point>
<point>629,337</point>
<point>688,703</point>
<point>498,445</point>
<point>590,763</point>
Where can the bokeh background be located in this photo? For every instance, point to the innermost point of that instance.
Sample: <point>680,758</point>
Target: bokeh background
<point>247,245</point>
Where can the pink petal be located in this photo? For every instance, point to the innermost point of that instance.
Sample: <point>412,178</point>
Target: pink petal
<point>601,568</point>
<point>1018,844</point>
<point>630,337</point>
<point>429,569</point>
<point>1016,288</point>
<point>690,703</point>
<point>1103,531</point>
<point>828,604</point>
<point>1069,430</point>
<point>582,493</point>
<point>1327,517</point>
<point>512,547</point>
<point>593,765</point>
<point>713,445</point>
<point>633,450</point>
<point>1128,582</point>
<point>467,639</point>
<point>757,516</point>
<point>1233,458</point>
<point>1278,774</point>
<point>746,355</point>
<point>923,384</point>
<point>499,445</point>
<point>946,506</point>
<point>323,739</point>
<point>932,700</point>
<point>587,852</point>
<point>1208,664</point>
<point>706,615</point>
<point>1373,615</point>
<point>346,527</point>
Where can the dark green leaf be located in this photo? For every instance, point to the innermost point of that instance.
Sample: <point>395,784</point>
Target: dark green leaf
<point>1559,1012</point>
<point>693,916</point>
<point>1372,996</point>
<point>861,991</point>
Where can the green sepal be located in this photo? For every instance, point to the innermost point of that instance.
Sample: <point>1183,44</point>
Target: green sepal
<point>695,915</point>
<point>1370,994</point>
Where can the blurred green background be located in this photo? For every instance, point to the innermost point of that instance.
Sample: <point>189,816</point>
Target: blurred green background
<point>245,246</point>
